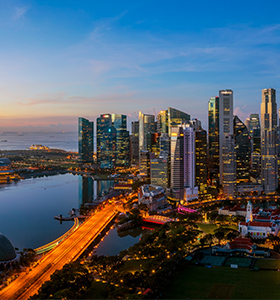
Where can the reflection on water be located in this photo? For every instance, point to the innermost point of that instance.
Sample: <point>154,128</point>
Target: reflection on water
<point>90,189</point>
<point>114,241</point>
<point>28,207</point>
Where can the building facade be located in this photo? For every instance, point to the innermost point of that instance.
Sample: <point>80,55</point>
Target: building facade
<point>146,129</point>
<point>122,139</point>
<point>134,144</point>
<point>213,138</point>
<point>106,142</point>
<point>85,141</point>
<point>243,151</point>
<point>269,168</point>
<point>226,143</point>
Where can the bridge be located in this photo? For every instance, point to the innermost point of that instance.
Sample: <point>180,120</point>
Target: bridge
<point>27,284</point>
<point>157,219</point>
<point>51,245</point>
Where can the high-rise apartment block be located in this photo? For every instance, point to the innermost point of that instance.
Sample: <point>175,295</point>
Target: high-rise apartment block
<point>268,141</point>
<point>85,140</point>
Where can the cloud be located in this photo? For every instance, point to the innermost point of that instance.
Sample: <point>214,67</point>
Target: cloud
<point>242,112</point>
<point>19,13</point>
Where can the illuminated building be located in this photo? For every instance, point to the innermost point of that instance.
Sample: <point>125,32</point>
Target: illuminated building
<point>213,137</point>
<point>153,196</point>
<point>177,161</point>
<point>162,121</point>
<point>159,171</point>
<point>243,150</point>
<point>254,123</point>
<point>201,160</point>
<point>176,118</point>
<point>255,138</point>
<point>85,141</point>
<point>155,144</point>
<point>122,139</point>
<point>229,166</point>
<point>183,162</point>
<point>226,142</point>
<point>269,166</point>
<point>106,142</point>
<point>146,128</point>
<point>144,163</point>
<point>164,144</point>
<point>191,190</point>
<point>134,144</point>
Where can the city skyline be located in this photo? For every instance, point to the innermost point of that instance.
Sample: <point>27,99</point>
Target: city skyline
<point>67,60</point>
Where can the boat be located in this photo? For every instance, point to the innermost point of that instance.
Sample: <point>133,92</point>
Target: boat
<point>4,141</point>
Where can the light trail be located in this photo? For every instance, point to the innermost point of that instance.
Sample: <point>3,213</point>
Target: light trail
<point>27,284</point>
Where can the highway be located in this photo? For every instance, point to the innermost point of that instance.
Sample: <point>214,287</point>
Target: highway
<point>27,284</point>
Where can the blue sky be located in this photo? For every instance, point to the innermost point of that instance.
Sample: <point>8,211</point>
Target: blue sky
<point>64,59</point>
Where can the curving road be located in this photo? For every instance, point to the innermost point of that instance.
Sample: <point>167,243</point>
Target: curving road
<point>27,284</point>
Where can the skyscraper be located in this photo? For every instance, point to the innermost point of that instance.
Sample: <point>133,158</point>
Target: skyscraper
<point>122,139</point>
<point>177,161</point>
<point>162,121</point>
<point>229,166</point>
<point>268,140</point>
<point>213,137</point>
<point>243,150</point>
<point>255,136</point>
<point>106,142</point>
<point>146,128</point>
<point>176,118</point>
<point>134,143</point>
<point>159,171</point>
<point>201,160</point>
<point>182,155</point>
<point>226,138</point>
<point>85,141</point>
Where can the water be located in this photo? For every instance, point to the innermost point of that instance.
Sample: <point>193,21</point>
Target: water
<point>21,141</point>
<point>115,242</point>
<point>27,208</point>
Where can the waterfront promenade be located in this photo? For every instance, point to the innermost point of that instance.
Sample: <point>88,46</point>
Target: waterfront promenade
<point>27,284</point>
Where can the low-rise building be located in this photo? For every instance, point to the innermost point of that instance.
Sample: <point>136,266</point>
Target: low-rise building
<point>259,223</point>
<point>153,196</point>
<point>240,247</point>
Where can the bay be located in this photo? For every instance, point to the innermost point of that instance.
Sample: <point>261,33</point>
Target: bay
<point>28,207</point>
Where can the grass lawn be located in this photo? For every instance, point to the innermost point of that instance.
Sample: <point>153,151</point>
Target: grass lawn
<point>268,263</point>
<point>242,262</point>
<point>96,291</point>
<point>197,282</point>
<point>207,228</point>
<point>134,265</point>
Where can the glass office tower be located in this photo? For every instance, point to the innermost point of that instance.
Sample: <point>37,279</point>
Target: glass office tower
<point>106,142</point>
<point>213,138</point>
<point>122,139</point>
<point>85,141</point>
<point>269,168</point>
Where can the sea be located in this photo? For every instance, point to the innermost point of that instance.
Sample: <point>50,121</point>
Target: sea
<point>55,140</point>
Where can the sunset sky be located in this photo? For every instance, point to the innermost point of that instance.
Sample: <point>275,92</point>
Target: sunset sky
<point>60,60</point>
